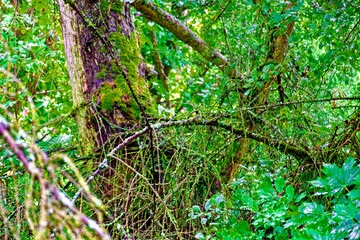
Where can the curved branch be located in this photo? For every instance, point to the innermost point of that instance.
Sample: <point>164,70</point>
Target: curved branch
<point>154,13</point>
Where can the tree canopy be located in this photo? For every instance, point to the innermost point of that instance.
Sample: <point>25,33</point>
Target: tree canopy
<point>169,119</point>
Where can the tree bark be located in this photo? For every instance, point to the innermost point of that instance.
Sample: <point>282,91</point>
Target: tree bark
<point>104,63</point>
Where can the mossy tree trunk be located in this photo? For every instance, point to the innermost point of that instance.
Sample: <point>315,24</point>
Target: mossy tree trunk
<point>102,50</point>
<point>278,48</point>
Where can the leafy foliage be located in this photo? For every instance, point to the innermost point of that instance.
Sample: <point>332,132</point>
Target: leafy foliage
<point>255,149</point>
<point>271,209</point>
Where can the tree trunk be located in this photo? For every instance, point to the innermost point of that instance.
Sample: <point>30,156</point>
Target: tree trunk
<point>278,48</point>
<point>104,58</point>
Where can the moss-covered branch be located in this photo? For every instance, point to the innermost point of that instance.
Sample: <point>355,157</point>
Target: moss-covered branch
<point>172,24</point>
<point>284,146</point>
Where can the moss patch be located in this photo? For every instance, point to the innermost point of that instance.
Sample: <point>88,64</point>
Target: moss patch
<point>117,91</point>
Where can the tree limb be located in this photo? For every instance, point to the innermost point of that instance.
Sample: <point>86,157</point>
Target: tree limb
<point>284,146</point>
<point>273,106</point>
<point>154,13</point>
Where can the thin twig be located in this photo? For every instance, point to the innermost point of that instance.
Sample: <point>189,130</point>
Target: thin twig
<point>38,174</point>
<point>298,102</point>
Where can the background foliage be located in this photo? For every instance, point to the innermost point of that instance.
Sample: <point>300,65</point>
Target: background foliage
<point>276,193</point>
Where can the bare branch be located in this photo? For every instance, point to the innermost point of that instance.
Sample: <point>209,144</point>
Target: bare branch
<point>300,102</point>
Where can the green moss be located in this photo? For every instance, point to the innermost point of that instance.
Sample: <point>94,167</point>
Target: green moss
<point>118,92</point>
<point>108,97</point>
<point>117,6</point>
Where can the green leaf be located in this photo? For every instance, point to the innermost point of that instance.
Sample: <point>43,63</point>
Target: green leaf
<point>39,5</point>
<point>4,35</point>
<point>311,208</point>
<point>276,17</point>
<point>300,197</point>
<point>251,203</point>
<point>219,199</point>
<point>290,191</point>
<point>354,194</point>
<point>345,211</point>
<point>249,2</point>
<point>196,208</point>
<point>207,205</point>
<point>280,184</point>
<point>242,226</point>
<point>337,179</point>
<point>266,8</point>
<point>199,236</point>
